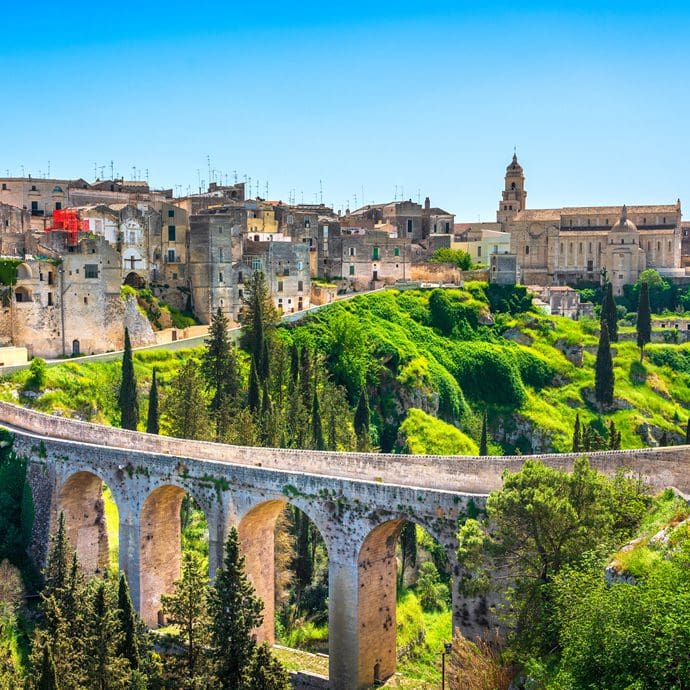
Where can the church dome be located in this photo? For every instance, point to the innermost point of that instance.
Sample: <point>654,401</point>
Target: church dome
<point>514,168</point>
<point>624,225</point>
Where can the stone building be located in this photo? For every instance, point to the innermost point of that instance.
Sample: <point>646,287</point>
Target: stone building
<point>215,196</point>
<point>568,245</point>
<point>365,259</point>
<point>214,261</point>
<point>286,267</point>
<point>481,240</point>
<point>15,230</point>
<point>71,303</point>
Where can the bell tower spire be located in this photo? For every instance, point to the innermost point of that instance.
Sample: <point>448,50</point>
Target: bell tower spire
<point>514,196</point>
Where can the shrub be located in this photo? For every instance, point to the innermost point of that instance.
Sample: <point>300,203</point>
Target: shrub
<point>37,375</point>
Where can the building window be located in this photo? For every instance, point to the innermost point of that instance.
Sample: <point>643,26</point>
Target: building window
<point>447,227</point>
<point>375,253</point>
<point>352,251</point>
<point>280,286</point>
<point>669,242</point>
<point>58,205</point>
<point>286,271</point>
<point>91,271</point>
<point>86,300</point>
<point>526,249</point>
<point>409,225</point>
<point>34,205</point>
<point>479,251</point>
<point>171,233</point>
<point>352,269</point>
<point>307,223</point>
<point>220,277</point>
<point>256,264</point>
<point>396,251</point>
<point>221,254</point>
<point>50,299</point>
<point>300,285</point>
<point>171,213</point>
<point>300,265</point>
<point>658,246</point>
<point>239,277</point>
<point>171,256</point>
<point>4,185</point>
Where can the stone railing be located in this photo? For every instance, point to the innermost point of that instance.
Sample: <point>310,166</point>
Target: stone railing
<point>661,467</point>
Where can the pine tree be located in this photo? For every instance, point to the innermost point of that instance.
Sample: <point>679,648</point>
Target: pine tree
<point>47,675</point>
<point>219,368</point>
<point>603,373</point>
<point>185,404</point>
<point>609,313</point>
<point>267,673</point>
<point>152,425</point>
<point>129,645</point>
<point>577,435</point>
<point>186,608</point>
<point>127,399</point>
<point>316,427</point>
<point>105,669</point>
<point>644,319</point>
<point>483,441</point>
<point>235,611</point>
<point>253,394</point>
<point>362,419</point>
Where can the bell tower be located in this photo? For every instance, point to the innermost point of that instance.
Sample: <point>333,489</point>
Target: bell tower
<point>514,195</point>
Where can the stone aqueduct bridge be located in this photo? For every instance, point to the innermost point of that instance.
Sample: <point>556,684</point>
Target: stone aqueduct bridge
<point>357,501</point>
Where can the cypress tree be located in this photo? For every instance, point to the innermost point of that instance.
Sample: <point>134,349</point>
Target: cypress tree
<point>129,644</point>
<point>56,573</point>
<point>265,400</point>
<point>152,425</point>
<point>687,433</point>
<point>609,313</point>
<point>483,441</point>
<point>47,675</point>
<point>408,550</point>
<point>362,418</point>
<point>577,435</point>
<point>265,362</point>
<point>267,672</point>
<point>316,427</point>
<point>127,399</point>
<point>305,376</point>
<point>253,394</point>
<point>614,437</point>
<point>303,564</point>
<point>235,611</point>
<point>294,362</point>
<point>603,373</point>
<point>644,319</point>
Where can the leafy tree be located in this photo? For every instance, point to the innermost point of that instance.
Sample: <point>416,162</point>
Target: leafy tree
<point>452,256</point>
<point>644,319</point>
<point>362,419</point>
<point>408,550</point>
<point>577,435</point>
<point>47,675</point>
<point>431,591</point>
<point>542,520</point>
<point>186,608</point>
<point>152,425</point>
<point>127,398</point>
<point>316,427</point>
<point>16,512</point>
<point>267,673</point>
<point>609,314</point>
<point>235,611</point>
<point>483,442</point>
<point>603,370</point>
<point>185,404</point>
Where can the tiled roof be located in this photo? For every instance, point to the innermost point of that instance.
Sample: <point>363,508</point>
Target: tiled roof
<point>553,214</point>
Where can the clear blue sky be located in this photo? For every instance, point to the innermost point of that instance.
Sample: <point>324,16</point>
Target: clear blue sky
<point>428,96</point>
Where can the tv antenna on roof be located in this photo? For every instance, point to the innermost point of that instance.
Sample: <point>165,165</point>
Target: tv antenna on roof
<point>321,191</point>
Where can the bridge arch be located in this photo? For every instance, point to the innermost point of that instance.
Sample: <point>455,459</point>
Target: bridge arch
<point>377,600</point>
<point>160,546</point>
<point>81,500</point>
<point>257,527</point>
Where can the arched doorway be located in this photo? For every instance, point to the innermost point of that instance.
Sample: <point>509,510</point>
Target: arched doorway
<point>75,348</point>
<point>134,280</point>
<point>286,560</point>
<point>91,521</point>
<point>404,598</point>
<point>169,518</point>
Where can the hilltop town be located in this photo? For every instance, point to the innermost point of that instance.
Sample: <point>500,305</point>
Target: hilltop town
<point>79,259</point>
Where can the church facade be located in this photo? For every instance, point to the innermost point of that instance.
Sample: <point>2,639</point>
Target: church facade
<point>563,246</point>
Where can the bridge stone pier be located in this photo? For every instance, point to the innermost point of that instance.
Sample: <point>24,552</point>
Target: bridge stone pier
<point>358,502</point>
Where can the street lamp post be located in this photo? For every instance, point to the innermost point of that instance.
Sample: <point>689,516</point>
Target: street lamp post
<point>447,649</point>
